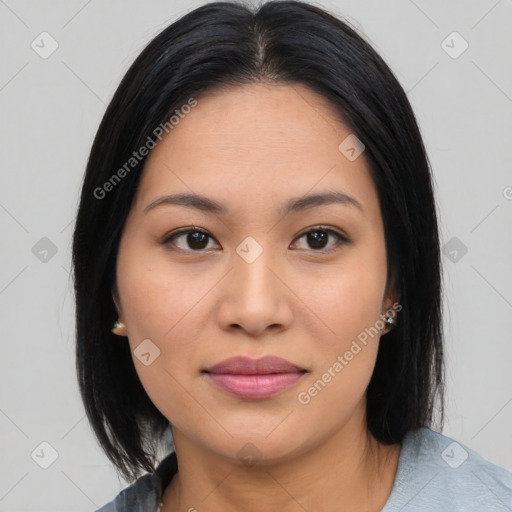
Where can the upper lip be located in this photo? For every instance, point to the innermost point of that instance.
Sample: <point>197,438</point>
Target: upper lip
<point>247,366</point>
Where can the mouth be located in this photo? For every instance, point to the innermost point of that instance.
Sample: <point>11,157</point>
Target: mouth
<point>248,378</point>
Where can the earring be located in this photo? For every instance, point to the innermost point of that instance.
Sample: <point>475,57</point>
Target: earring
<point>390,321</point>
<point>119,328</point>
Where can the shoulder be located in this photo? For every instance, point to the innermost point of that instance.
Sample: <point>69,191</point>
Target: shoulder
<point>436,472</point>
<point>144,494</point>
<point>140,496</point>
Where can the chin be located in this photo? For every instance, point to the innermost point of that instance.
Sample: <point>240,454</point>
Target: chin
<point>261,446</point>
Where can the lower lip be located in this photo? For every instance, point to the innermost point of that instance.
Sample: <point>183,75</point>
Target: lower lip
<point>254,386</point>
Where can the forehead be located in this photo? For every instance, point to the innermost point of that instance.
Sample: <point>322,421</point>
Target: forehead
<point>262,143</point>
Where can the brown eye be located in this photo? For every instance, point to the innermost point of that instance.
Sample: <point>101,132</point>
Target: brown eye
<point>189,239</point>
<point>318,239</point>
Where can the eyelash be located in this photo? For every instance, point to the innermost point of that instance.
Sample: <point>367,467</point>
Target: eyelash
<point>341,239</point>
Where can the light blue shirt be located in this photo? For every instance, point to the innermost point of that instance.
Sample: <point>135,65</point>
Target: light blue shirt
<point>434,474</point>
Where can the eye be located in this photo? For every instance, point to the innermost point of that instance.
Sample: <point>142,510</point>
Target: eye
<point>197,239</point>
<point>194,239</point>
<point>318,238</point>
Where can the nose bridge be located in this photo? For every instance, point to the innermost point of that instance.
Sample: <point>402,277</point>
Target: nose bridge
<point>251,268</point>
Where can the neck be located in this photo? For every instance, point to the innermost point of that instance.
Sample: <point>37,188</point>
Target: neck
<point>349,472</point>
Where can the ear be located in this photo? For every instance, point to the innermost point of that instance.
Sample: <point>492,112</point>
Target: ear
<point>391,303</point>
<point>391,296</point>
<point>117,302</point>
<point>119,328</point>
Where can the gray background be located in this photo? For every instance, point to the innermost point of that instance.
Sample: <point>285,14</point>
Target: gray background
<point>50,109</point>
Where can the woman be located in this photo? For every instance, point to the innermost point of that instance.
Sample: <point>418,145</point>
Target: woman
<point>257,271</point>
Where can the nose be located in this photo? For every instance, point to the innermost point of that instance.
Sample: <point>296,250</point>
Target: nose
<point>255,297</point>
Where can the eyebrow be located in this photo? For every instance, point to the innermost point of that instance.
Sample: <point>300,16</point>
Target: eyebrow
<point>206,204</point>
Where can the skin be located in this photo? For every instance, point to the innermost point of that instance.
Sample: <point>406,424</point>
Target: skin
<point>252,148</point>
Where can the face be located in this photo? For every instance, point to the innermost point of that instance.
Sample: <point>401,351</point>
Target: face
<point>252,278</point>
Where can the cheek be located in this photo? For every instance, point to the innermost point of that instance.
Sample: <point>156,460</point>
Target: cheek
<point>160,305</point>
<point>156,294</point>
<point>347,298</point>
<point>345,359</point>
<point>167,304</point>
<point>349,304</point>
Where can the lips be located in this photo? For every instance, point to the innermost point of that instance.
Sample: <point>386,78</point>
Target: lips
<point>247,366</point>
<point>254,378</point>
